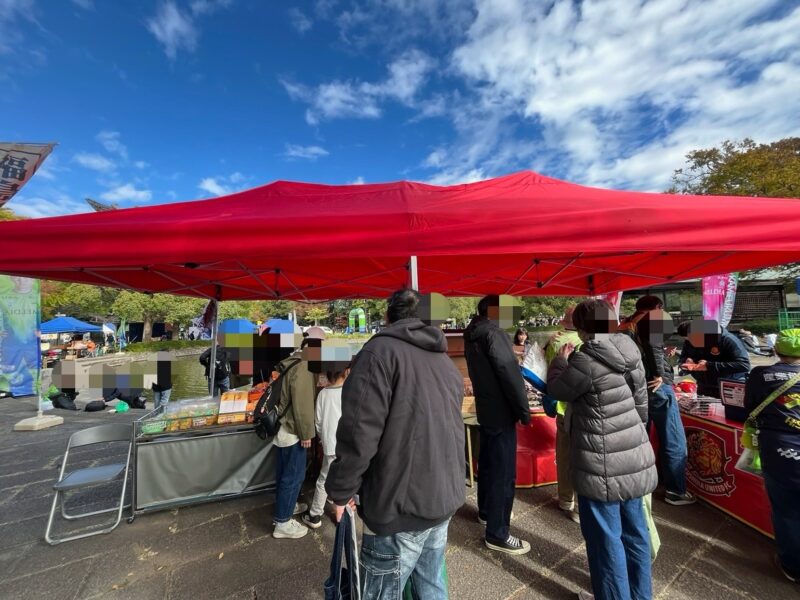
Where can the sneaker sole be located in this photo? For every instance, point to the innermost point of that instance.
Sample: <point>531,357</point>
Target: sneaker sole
<point>679,502</point>
<point>285,536</point>
<point>312,525</point>
<point>505,550</point>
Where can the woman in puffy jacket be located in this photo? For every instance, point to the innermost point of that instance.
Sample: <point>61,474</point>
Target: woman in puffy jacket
<point>612,463</point>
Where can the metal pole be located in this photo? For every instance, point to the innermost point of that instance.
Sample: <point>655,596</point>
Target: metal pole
<point>412,272</point>
<point>212,366</point>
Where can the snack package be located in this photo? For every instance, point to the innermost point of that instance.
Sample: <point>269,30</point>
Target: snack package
<point>534,367</point>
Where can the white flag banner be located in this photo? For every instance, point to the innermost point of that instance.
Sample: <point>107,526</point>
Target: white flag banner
<point>18,163</point>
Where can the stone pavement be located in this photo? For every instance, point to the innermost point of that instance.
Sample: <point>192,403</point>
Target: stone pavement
<point>225,550</point>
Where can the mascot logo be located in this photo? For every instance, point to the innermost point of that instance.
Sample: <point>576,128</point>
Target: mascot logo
<point>707,462</point>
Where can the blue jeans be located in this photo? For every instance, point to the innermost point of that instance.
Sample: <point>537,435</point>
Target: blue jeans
<point>289,479</point>
<point>220,386</point>
<point>387,563</point>
<point>665,415</point>
<point>618,548</point>
<point>785,502</point>
<point>497,474</point>
<point>161,398</point>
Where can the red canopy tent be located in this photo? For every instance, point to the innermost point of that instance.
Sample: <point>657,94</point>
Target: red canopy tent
<point>522,234</point>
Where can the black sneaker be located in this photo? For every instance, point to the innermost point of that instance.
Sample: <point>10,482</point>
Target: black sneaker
<point>315,522</point>
<point>786,574</point>
<point>679,499</point>
<point>512,545</point>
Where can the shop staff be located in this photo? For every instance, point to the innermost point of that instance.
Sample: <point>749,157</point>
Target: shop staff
<point>710,354</point>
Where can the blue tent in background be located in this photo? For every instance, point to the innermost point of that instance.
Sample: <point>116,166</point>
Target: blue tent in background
<point>68,325</point>
<point>281,326</point>
<point>237,326</point>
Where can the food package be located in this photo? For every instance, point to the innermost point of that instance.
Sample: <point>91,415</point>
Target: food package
<point>534,367</point>
<point>231,418</point>
<point>154,426</point>
<point>468,406</point>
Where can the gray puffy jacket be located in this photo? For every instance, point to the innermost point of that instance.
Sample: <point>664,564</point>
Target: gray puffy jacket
<point>604,385</point>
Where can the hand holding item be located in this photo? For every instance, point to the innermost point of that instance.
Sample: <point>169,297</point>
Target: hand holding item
<point>655,384</point>
<point>305,443</point>
<point>566,350</point>
<point>690,365</point>
<point>340,509</point>
<point>671,351</point>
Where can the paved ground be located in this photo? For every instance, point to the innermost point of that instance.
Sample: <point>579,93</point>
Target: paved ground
<point>224,550</point>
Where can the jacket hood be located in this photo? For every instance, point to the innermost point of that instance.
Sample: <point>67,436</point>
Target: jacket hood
<point>416,333</point>
<point>617,351</point>
<point>479,327</point>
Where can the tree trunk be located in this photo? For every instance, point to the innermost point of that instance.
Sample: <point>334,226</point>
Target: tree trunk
<point>147,332</point>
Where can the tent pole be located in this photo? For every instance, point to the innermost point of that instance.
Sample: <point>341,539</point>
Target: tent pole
<point>212,365</point>
<point>412,273</point>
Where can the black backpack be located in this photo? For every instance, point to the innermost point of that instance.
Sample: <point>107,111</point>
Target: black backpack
<point>265,416</point>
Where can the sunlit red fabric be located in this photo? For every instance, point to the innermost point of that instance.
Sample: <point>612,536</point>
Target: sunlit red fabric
<point>522,234</point>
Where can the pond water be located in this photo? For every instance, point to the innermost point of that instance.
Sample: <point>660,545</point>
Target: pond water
<point>188,379</point>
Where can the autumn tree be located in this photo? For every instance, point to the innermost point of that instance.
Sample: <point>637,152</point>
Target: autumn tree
<point>317,313</point>
<point>744,169</point>
<point>152,308</point>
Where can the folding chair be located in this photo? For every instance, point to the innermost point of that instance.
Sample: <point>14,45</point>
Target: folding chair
<point>83,478</point>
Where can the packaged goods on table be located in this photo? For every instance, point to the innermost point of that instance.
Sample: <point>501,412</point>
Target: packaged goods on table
<point>190,414</point>
<point>233,408</point>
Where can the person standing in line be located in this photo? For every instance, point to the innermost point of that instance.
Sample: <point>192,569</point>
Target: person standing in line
<point>501,402</point>
<point>400,448</point>
<point>612,462</point>
<point>222,370</point>
<point>567,499</point>
<point>328,413</point>
<point>647,327</point>
<point>779,445</point>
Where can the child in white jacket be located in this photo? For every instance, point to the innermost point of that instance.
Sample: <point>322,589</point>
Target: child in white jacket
<point>328,413</point>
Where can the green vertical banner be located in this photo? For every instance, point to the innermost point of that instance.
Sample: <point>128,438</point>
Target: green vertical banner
<point>20,356</point>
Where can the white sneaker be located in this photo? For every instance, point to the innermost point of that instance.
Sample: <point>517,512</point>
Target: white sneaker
<point>300,508</point>
<point>290,530</point>
<point>584,595</point>
<point>566,505</point>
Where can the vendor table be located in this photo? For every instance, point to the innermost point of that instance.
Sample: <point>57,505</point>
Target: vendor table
<point>199,465</point>
<point>714,448</point>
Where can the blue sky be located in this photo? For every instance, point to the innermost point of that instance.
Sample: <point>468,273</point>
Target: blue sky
<point>159,101</point>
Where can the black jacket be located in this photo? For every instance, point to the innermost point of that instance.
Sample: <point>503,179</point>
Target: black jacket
<point>400,440</point>
<point>223,363</point>
<point>500,396</point>
<point>727,359</point>
<point>653,357</point>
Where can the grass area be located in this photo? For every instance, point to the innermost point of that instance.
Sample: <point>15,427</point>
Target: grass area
<point>761,326</point>
<point>157,346</point>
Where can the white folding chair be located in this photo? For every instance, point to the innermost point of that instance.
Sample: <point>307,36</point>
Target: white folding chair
<point>91,476</point>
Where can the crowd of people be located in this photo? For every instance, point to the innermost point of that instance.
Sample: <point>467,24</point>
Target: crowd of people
<point>392,437</point>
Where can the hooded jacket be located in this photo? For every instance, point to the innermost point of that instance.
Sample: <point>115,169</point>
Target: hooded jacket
<point>400,440</point>
<point>604,385</point>
<point>727,359</point>
<point>500,397</point>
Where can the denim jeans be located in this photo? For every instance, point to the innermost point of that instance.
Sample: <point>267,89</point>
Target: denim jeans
<point>497,474</point>
<point>220,386</point>
<point>785,502</point>
<point>387,563</point>
<point>618,548</point>
<point>665,415</point>
<point>289,479</point>
<point>161,398</point>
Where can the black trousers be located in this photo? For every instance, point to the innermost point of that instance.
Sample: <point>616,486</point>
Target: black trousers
<point>497,474</point>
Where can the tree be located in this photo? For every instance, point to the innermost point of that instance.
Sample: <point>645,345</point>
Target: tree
<point>133,306</point>
<point>744,169</point>
<point>82,301</point>
<point>270,309</point>
<point>6,214</point>
<point>461,309</point>
<point>317,313</point>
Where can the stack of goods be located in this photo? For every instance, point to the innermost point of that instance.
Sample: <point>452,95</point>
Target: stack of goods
<point>686,393</point>
<point>233,408</point>
<point>534,395</point>
<point>182,416</point>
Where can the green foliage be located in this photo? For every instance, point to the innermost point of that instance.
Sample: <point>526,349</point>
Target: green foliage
<point>78,300</point>
<point>234,309</point>
<point>6,214</point>
<point>547,306</point>
<point>317,313</point>
<point>744,169</point>
<point>461,309</point>
<point>761,326</point>
<point>133,306</point>
<point>166,345</point>
<point>270,309</point>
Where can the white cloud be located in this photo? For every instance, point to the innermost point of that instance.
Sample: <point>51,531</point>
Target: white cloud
<point>50,203</point>
<point>616,92</point>
<point>361,100</point>
<point>174,29</point>
<point>306,152</point>
<point>84,4</point>
<point>111,142</point>
<point>299,20</point>
<point>208,7</point>
<point>127,193</point>
<point>213,187</point>
<point>96,162</point>
<point>10,34</point>
<point>357,181</point>
<point>141,164</point>
<point>237,178</point>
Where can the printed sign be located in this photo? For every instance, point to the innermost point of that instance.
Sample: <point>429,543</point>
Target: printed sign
<point>719,297</point>
<point>707,467</point>
<point>19,339</point>
<point>732,393</point>
<point>18,163</point>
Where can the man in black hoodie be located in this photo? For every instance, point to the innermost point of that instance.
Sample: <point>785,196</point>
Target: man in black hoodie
<point>501,403</point>
<point>400,447</point>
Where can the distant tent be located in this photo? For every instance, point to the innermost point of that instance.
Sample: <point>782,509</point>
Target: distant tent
<point>281,326</point>
<point>68,325</point>
<point>237,326</point>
